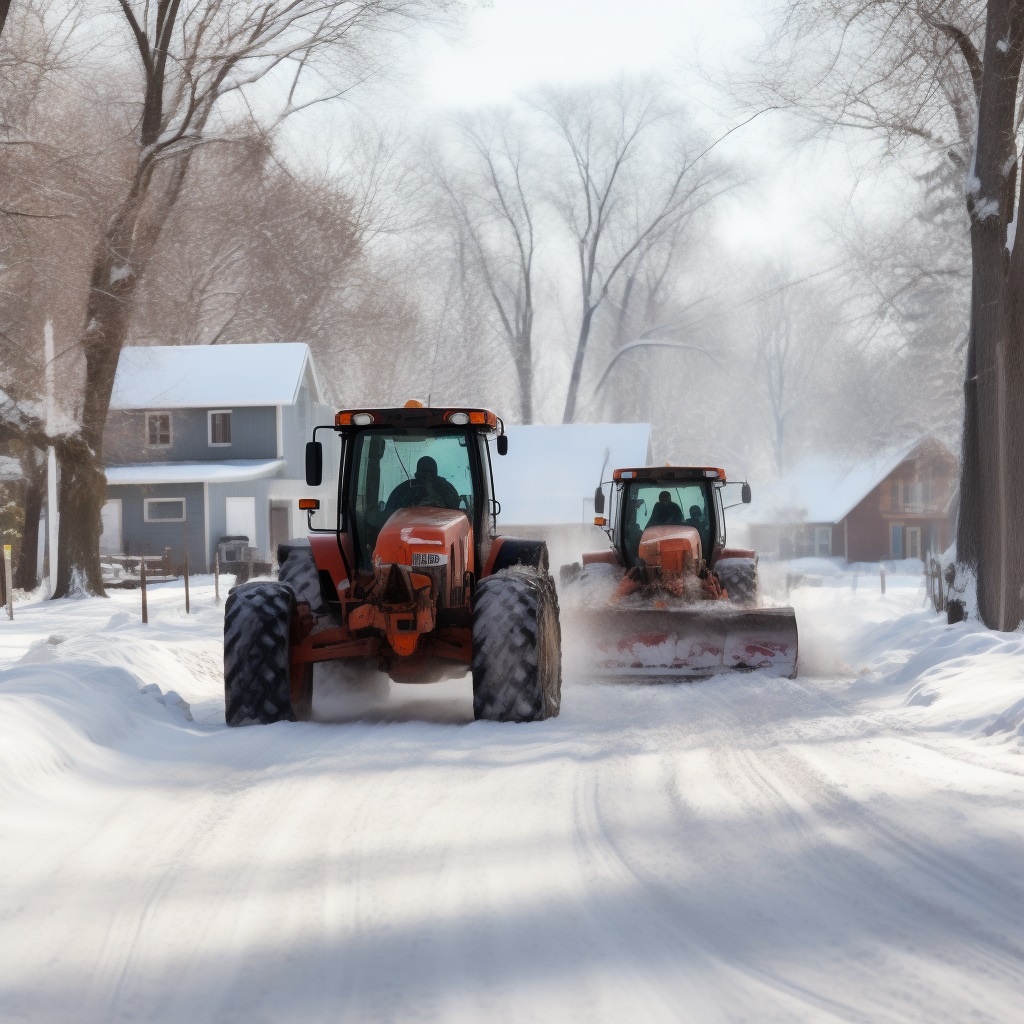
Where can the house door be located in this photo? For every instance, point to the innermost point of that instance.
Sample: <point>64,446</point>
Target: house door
<point>110,521</point>
<point>913,542</point>
<point>895,541</point>
<point>240,516</point>
<point>280,529</point>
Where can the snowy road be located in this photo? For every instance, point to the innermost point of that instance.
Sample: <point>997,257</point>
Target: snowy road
<point>845,846</point>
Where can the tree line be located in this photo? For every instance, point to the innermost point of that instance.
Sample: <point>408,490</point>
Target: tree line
<point>558,257</point>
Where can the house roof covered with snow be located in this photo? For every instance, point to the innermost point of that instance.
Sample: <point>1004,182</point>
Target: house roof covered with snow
<point>550,472</point>
<point>208,376</point>
<point>235,471</point>
<point>823,490</point>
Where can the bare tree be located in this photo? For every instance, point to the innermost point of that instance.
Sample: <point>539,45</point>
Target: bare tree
<point>54,173</point>
<point>635,177</point>
<point>790,333</point>
<point>905,71</point>
<point>959,65</point>
<point>193,58</point>
<point>491,188</point>
<point>226,267</point>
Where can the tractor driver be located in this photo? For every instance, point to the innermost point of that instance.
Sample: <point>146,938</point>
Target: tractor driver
<point>698,520</point>
<point>665,512</point>
<point>425,488</point>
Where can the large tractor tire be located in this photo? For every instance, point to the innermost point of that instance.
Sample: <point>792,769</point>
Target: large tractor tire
<point>257,670</point>
<point>297,568</point>
<point>739,577</point>
<point>517,647</point>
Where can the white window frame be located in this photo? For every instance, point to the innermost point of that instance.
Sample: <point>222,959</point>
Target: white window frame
<point>145,510</point>
<point>170,429</point>
<point>209,427</point>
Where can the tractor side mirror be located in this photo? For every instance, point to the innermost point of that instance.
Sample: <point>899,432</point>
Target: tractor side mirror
<point>599,502</point>
<point>377,448</point>
<point>502,444</point>
<point>314,463</point>
<point>745,494</point>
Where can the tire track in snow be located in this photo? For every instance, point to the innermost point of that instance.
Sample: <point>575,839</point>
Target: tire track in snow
<point>670,922</point>
<point>775,767</point>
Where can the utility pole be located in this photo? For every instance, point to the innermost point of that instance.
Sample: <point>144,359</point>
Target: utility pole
<point>51,457</point>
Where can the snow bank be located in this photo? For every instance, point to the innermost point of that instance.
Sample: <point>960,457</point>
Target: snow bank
<point>58,716</point>
<point>905,661</point>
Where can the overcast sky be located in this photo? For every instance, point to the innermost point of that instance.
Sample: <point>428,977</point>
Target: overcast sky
<point>512,46</point>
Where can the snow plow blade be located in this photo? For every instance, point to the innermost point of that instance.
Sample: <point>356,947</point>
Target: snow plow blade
<point>694,642</point>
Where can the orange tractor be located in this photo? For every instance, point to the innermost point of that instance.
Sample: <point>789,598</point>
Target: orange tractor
<point>408,579</point>
<point>669,599</point>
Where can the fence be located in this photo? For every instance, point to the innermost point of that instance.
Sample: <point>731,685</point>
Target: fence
<point>935,581</point>
<point>125,570</point>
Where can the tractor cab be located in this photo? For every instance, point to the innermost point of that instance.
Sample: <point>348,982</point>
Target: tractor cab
<point>433,461</point>
<point>654,496</point>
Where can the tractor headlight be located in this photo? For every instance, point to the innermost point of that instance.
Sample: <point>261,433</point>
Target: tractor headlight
<point>458,418</point>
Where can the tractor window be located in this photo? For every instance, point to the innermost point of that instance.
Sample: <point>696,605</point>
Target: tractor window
<point>399,468</point>
<point>642,507</point>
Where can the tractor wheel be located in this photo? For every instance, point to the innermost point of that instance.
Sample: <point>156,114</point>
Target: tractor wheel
<point>298,569</point>
<point>739,577</point>
<point>517,647</point>
<point>257,643</point>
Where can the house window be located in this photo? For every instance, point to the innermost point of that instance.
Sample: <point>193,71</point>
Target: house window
<point>164,510</point>
<point>823,541</point>
<point>220,428</point>
<point>158,429</point>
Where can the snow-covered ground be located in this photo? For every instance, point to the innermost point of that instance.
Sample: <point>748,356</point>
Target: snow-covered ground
<point>844,846</point>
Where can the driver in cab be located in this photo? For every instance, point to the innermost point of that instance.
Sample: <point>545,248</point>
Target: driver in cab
<point>665,512</point>
<point>427,487</point>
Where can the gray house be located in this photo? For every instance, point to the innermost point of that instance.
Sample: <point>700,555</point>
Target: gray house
<point>206,441</point>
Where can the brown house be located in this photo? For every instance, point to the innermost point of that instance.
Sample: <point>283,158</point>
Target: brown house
<point>899,504</point>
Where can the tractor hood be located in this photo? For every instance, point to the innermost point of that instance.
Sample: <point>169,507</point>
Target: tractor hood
<point>425,538</point>
<point>672,549</point>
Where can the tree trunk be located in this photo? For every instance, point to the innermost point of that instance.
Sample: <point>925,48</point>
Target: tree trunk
<point>25,571</point>
<point>524,370</point>
<point>577,365</point>
<point>990,481</point>
<point>113,286</point>
<point>119,263</point>
<point>82,491</point>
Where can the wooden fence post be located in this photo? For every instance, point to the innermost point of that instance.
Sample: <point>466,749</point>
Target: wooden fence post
<point>142,577</point>
<point>216,577</point>
<point>187,607</point>
<point>8,581</point>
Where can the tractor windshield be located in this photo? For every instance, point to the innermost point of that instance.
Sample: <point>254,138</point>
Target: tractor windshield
<point>649,503</point>
<point>399,468</point>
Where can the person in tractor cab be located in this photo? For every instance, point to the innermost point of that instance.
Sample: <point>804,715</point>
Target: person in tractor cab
<point>427,487</point>
<point>699,521</point>
<point>665,512</point>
